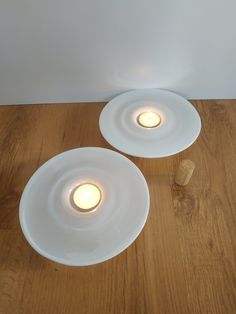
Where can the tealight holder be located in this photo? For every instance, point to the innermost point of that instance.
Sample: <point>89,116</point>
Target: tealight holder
<point>150,123</point>
<point>84,206</point>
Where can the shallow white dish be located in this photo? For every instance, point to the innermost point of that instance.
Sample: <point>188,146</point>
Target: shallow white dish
<point>56,230</point>
<point>179,128</point>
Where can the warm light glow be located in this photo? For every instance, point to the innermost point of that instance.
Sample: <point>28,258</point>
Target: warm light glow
<point>149,119</point>
<point>86,197</point>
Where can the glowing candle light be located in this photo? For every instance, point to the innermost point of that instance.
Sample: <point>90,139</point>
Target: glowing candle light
<point>149,119</point>
<point>86,197</point>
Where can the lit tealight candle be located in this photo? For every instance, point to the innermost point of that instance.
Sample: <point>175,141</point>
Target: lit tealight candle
<point>86,197</point>
<point>148,119</point>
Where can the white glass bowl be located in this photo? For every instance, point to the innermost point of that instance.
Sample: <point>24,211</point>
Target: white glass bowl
<point>58,231</point>
<point>179,127</point>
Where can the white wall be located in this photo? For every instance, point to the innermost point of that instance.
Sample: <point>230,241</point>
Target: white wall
<point>90,50</point>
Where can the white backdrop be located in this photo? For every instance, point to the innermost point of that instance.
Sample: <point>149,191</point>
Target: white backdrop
<point>91,50</point>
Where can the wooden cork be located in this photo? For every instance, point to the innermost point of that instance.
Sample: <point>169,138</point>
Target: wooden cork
<point>184,172</point>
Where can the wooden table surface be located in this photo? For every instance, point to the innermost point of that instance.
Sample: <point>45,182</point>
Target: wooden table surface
<point>184,259</point>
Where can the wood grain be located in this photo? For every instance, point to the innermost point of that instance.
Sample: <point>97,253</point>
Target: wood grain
<point>183,261</point>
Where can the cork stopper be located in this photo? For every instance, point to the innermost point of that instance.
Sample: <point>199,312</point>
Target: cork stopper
<point>184,172</point>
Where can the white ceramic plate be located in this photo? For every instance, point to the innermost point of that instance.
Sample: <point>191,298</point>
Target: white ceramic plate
<point>179,128</point>
<point>56,230</point>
